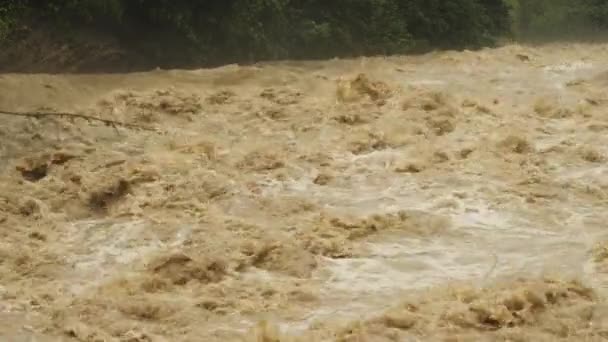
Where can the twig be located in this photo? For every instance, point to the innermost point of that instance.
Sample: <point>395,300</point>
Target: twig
<point>110,164</point>
<point>112,123</point>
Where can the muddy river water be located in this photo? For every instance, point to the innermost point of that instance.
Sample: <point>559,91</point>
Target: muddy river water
<point>452,196</point>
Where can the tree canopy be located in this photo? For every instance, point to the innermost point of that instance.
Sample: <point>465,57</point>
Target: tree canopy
<point>224,31</point>
<point>268,29</point>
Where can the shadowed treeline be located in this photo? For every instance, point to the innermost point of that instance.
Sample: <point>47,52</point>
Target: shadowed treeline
<point>124,35</point>
<point>554,20</point>
<point>193,33</point>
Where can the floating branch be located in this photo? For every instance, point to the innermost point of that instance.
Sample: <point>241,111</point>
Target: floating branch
<point>71,116</point>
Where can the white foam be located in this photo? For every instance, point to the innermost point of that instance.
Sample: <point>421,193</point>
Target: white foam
<point>104,246</point>
<point>568,67</point>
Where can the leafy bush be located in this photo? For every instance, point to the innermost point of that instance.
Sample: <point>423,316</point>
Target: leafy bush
<point>8,17</point>
<point>209,31</point>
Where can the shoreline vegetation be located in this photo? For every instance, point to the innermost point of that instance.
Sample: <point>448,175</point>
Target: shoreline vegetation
<point>121,35</point>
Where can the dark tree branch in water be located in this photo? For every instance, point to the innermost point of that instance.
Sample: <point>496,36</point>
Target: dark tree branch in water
<point>72,116</point>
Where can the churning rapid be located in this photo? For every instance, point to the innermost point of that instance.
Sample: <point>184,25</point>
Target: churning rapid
<point>453,196</point>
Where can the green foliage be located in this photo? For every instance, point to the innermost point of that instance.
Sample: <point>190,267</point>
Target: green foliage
<point>247,30</point>
<point>448,23</point>
<point>85,11</point>
<point>256,29</point>
<point>8,17</point>
<point>349,27</point>
<point>598,12</point>
<point>559,19</point>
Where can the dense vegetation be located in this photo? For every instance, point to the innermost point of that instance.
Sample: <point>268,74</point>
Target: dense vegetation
<point>182,32</point>
<point>559,19</point>
<point>229,30</point>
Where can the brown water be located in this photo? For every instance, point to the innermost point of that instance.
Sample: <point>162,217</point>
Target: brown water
<point>316,196</point>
